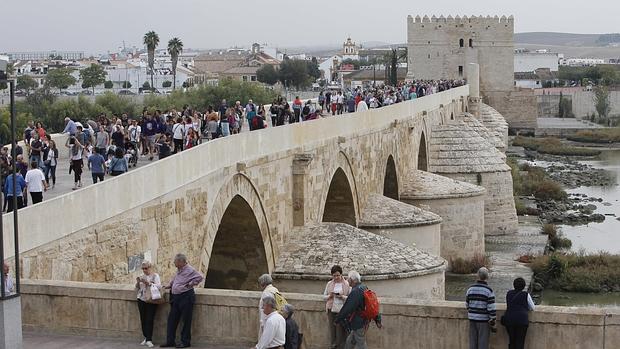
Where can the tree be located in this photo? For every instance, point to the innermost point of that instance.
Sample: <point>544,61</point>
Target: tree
<point>60,78</point>
<point>601,101</point>
<point>151,40</point>
<point>93,76</point>
<point>9,71</point>
<point>392,59</point>
<point>166,84</point>
<point>126,84</point>
<point>108,84</point>
<point>26,84</point>
<point>313,69</point>
<point>294,72</point>
<point>565,108</point>
<point>175,47</point>
<point>146,85</point>
<point>267,74</point>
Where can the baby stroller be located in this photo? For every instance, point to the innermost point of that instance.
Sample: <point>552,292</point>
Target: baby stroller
<point>131,154</point>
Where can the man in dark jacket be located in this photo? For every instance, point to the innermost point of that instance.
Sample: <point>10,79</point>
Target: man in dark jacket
<point>292,329</point>
<point>349,315</point>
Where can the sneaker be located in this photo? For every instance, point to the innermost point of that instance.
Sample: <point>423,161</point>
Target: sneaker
<point>143,342</point>
<point>149,344</point>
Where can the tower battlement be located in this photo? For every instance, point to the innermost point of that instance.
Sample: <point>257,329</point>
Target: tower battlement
<point>462,19</point>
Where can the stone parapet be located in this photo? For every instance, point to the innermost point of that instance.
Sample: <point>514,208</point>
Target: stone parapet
<point>231,318</point>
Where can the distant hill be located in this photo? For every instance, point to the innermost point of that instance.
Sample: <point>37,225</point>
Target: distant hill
<point>566,39</point>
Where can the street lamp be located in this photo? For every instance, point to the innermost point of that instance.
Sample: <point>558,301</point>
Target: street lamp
<point>3,295</point>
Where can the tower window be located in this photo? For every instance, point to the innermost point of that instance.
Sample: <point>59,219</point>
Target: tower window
<point>471,42</point>
<point>461,43</point>
<point>460,71</point>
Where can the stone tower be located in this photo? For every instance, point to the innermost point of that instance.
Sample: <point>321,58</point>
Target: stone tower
<point>441,48</point>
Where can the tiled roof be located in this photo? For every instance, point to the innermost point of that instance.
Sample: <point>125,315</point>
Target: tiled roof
<point>383,212</point>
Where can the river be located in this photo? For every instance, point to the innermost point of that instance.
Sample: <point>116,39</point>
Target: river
<point>595,237</point>
<point>604,236</point>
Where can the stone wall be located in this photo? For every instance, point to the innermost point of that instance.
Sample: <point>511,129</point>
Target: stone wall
<point>500,215</point>
<point>519,107</point>
<point>423,237</point>
<point>231,317</point>
<point>582,101</point>
<point>462,228</point>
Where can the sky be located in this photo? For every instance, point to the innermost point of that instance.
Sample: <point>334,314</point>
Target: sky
<point>101,26</point>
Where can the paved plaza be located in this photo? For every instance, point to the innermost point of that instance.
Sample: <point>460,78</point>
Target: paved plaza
<point>34,340</point>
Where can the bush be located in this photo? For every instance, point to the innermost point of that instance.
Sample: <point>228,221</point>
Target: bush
<point>608,135</point>
<point>126,84</point>
<point>166,84</point>
<point>578,272</point>
<point>520,206</point>
<point>552,146</point>
<point>556,238</point>
<point>469,266</point>
<point>108,84</point>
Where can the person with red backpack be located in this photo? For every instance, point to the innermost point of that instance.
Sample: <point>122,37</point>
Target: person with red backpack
<point>360,308</point>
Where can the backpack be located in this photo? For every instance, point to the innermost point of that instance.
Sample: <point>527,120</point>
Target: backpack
<point>280,301</point>
<point>371,305</point>
<point>257,122</point>
<point>306,110</point>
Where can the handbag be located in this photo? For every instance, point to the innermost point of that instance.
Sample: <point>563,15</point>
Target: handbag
<point>153,294</point>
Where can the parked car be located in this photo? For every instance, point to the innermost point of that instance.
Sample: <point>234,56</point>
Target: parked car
<point>86,92</point>
<point>126,93</point>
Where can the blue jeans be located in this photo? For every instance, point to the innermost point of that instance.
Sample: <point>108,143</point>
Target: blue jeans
<point>225,129</point>
<point>37,158</point>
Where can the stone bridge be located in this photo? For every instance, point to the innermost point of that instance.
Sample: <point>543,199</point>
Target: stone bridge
<point>293,201</point>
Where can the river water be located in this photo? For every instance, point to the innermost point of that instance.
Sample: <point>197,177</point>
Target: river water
<point>595,237</point>
<point>604,236</point>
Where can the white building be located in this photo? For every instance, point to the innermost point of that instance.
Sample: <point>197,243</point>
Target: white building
<point>582,62</point>
<point>328,67</point>
<point>527,61</point>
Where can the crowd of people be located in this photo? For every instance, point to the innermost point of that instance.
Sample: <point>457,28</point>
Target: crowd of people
<point>361,98</point>
<point>111,145</point>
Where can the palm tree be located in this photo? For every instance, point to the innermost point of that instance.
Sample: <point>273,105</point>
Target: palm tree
<point>391,60</point>
<point>175,47</point>
<point>151,40</point>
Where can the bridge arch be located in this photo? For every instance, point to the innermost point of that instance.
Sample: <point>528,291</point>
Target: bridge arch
<point>237,247</point>
<point>340,200</point>
<point>422,163</point>
<point>390,179</point>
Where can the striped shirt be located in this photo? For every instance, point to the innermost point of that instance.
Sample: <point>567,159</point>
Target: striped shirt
<point>480,302</point>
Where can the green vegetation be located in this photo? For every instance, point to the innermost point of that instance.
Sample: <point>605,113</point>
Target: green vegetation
<point>578,272</point>
<point>108,84</point>
<point>552,146</point>
<point>26,84</point>
<point>606,135</point>
<point>565,109</point>
<point>52,111</point>
<point>556,238</point>
<point>533,181</point>
<point>151,40</point>
<point>292,72</point>
<point>60,78</point>
<point>601,101</point>
<point>601,74</point>
<point>93,76</point>
<point>469,266</point>
<point>175,47</point>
